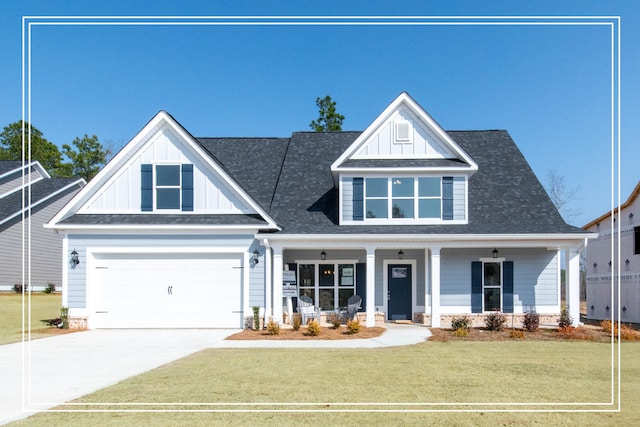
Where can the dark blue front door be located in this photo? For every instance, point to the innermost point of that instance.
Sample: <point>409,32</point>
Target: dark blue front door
<point>399,298</point>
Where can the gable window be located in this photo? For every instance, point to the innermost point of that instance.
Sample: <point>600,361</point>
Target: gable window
<point>429,198</point>
<point>167,186</point>
<point>377,198</point>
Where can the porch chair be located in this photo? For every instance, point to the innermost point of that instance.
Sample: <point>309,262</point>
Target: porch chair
<point>306,309</point>
<point>353,305</point>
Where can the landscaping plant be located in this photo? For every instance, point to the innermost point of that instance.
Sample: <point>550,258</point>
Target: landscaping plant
<point>256,317</point>
<point>313,327</point>
<point>460,326</point>
<point>353,326</point>
<point>495,321</point>
<point>336,321</point>
<point>297,321</point>
<point>565,319</point>
<point>273,328</point>
<point>531,321</point>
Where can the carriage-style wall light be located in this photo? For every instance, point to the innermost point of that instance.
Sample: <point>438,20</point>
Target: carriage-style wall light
<point>400,254</point>
<point>323,255</point>
<point>256,257</point>
<point>74,258</point>
<point>495,253</point>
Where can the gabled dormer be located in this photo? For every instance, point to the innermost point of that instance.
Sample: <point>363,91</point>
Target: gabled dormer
<point>403,169</point>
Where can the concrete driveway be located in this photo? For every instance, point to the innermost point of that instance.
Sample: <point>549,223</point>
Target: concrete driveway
<point>43,373</point>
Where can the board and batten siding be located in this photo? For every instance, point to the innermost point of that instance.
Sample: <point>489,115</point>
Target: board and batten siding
<point>77,276</point>
<point>423,143</point>
<point>535,277</point>
<point>122,193</point>
<point>46,247</point>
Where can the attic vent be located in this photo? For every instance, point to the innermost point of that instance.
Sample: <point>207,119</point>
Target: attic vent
<point>403,129</point>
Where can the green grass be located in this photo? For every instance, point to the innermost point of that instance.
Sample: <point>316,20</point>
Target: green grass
<point>43,306</point>
<point>439,372</point>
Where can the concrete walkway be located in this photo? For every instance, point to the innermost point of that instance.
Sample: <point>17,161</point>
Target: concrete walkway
<point>44,373</point>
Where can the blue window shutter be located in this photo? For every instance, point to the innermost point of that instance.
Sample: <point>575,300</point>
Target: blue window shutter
<point>361,283</point>
<point>476,287</point>
<point>146,194</point>
<point>187,188</point>
<point>507,287</point>
<point>447,197</point>
<point>358,199</point>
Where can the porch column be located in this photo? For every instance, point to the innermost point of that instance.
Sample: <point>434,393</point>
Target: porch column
<point>435,287</point>
<point>572,283</point>
<point>277,285</point>
<point>427,284</point>
<point>268,312</point>
<point>371,288</point>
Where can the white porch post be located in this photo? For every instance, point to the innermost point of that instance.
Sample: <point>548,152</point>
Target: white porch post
<point>427,279</point>
<point>371,288</point>
<point>268,285</point>
<point>572,283</point>
<point>277,285</point>
<point>435,287</point>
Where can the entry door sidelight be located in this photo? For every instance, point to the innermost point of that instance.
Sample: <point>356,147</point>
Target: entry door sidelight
<point>399,292</point>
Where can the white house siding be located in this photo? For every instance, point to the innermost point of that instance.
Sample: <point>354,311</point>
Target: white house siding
<point>122,193</point>
<point>77,276</point>
<point>422,142</point>
<point>46,247</point>
<point>256,278</point>
<point>601,302</point>
<point>535,278</point>
<point>346,187</point>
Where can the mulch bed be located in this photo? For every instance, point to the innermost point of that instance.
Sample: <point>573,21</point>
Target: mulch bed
<point>584,333</point>
<point>302,334</point>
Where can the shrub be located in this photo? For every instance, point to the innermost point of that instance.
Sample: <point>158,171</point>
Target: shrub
<point>297,321</point>
<point>273,328</point>
<point>19,287</point>
<point>531,321</point>
<point>64,316</point>
<point>495,321</point>
<point>460,323</point>
<point>461,332</point>
<point>627,333</point>
<point>353,326</point>
<point>51,287</point>
<point>313,327</point>
<point>572,333</point>
<point>565,319</point>
<point>516,333</point>
<point>335,321</point>
<point>256,317</point>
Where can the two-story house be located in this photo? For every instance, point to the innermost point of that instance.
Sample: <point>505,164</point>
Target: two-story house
<point>423,224</point>
<point>29,198</point>
<point>610,278</point>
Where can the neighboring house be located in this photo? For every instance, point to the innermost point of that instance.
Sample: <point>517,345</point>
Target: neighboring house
<point>603,269</point>
<point>21,224</point>
<point>423,224</point>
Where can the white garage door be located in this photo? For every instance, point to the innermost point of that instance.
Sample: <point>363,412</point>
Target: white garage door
<point>167,291</point>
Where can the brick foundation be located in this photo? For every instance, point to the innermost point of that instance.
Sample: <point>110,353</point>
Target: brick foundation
<point>78,323</point>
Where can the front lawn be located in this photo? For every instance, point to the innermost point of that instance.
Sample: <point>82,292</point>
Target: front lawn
<point>457,372</point>
<point>43,306</point>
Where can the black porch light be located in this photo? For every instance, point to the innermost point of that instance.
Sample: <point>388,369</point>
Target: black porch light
<point>400,254</point>
<point>323,255</point>
<point>74,258</point>
<point>495,253</point>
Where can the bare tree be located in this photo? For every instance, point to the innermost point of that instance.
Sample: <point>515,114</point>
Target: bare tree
<point>561,196</point>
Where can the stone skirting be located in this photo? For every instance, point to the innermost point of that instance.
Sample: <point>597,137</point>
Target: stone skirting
<point>77,322</point>
<point>325,318</point>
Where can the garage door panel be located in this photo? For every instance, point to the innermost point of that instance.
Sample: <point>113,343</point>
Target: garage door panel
<point>168,290</point>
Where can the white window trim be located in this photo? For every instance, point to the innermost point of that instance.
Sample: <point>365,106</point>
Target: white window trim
<point>316,278</point>
<point>501,287</point>
<point>157,187</point>
<point>396,136</point>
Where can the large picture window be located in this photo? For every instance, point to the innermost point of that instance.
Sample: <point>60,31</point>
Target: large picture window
<point>329,285</point>
<point>403,198</point>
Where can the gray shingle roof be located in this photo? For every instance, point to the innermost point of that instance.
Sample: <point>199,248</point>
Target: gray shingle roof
<point>402,163</point>
<point>9,165</point>
<point>158,219</point>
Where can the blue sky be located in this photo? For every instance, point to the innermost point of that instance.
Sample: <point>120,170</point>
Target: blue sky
<point>548,85</point>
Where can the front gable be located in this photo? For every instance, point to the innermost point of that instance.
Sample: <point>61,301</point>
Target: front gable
<point>163,171</point>
<point>403,169</point>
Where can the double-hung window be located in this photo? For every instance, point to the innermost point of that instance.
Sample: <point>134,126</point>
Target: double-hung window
<point>492,285</point>
<point>405,198</point>
<point>167,186</point>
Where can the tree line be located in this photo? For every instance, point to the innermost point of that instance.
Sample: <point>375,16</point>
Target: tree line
<point>86,155</point>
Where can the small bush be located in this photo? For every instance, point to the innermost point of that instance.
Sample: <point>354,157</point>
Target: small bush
<point>461,332</point>
<point>64,316</point>
<point>460,323</point>
<point>273,328</point>
<point>256,317</point>
<point>495,321</point>
<point>565,319</point>
<point>569,332</point>
<point>516,333</point>
<point>51,287</point>
<point>531,321</point>
<point>18,288</point>
<point>335,321</point>
<point>353,326</point>
<point>297,321</point>
<point>627,333</point>
<point>313,327</point>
